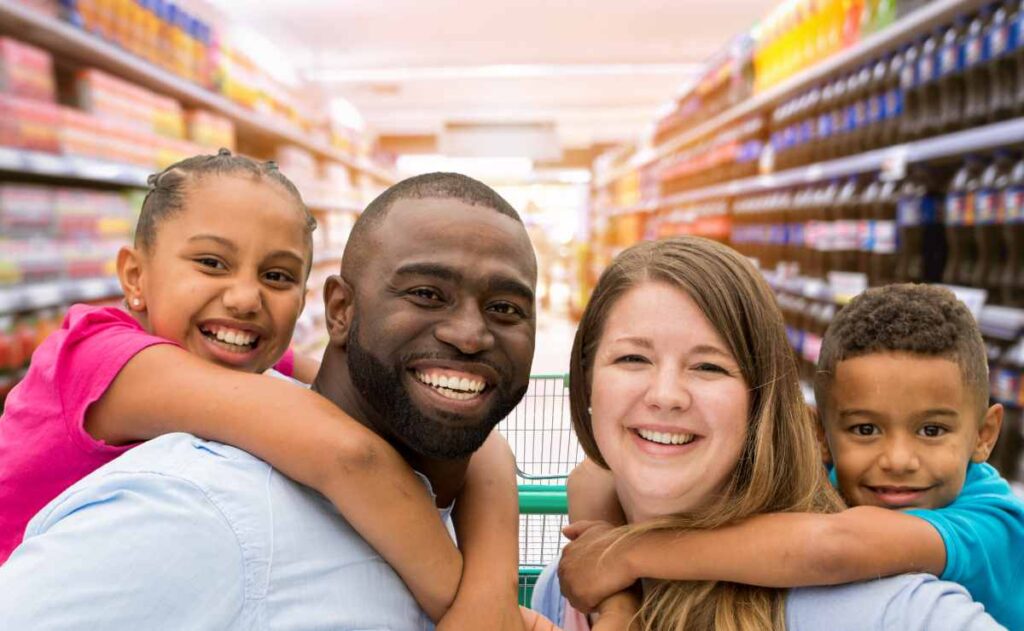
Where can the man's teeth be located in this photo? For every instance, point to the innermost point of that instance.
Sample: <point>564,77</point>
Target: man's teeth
<point>458,388</point>
<point>665,438</point>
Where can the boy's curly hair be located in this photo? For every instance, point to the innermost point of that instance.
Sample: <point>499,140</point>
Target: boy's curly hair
<point>904,318</point>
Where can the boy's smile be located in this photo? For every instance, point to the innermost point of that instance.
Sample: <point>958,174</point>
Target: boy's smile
<point>902,429</point>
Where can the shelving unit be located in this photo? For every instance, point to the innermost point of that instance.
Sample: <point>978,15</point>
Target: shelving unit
<point>68,42</point>
<point>918,22</point>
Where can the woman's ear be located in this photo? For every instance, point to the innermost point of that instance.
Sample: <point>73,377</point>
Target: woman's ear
<point>131,274</point>
<point>339,309</point>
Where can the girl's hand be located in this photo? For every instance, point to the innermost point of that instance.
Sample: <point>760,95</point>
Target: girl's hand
<point>586,574</point>
<point>533,621</point>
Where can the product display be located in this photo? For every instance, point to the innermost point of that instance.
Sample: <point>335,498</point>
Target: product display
<point>902,163</point>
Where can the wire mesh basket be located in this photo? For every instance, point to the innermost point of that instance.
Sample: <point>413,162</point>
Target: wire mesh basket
<point>540,433</point>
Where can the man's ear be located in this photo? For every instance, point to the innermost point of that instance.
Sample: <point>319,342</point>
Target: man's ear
<point>130,274</point>
<point>339,309</point>
<point>988,433</point>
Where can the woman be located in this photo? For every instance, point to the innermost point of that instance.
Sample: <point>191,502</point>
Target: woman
<point>683,385</point>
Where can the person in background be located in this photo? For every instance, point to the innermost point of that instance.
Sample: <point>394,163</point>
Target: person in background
<point>902,385</point>
<point>213,288</point>
<point>699,418</point>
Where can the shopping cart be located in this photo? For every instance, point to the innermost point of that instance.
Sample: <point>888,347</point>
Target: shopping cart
<point>540,432</point>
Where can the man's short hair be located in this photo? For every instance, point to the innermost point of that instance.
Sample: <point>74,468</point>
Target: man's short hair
<point>906,318</point>
<point>438,185</point>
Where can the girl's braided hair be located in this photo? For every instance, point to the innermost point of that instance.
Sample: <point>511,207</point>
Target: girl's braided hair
<point>167,188</point>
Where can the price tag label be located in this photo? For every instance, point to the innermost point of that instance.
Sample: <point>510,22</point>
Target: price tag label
<point>846,285</point>
<point>46,163</point>
<point>894,163</point>
<point>10,159</point>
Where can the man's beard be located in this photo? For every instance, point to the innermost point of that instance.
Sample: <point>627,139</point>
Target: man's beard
<point>383,389</point>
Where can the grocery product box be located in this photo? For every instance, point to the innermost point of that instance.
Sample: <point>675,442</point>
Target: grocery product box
<point>210,130</point>
<point>26,71</point>
<point>29,124</point>
<point>108,97</point>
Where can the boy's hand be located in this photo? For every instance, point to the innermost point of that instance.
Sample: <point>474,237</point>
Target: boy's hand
<point>586,574</point>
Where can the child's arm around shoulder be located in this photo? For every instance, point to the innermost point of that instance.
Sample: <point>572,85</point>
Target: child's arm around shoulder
<point>164,389</point>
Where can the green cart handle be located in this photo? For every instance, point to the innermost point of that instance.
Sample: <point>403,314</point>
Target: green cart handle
<point>535,499</point>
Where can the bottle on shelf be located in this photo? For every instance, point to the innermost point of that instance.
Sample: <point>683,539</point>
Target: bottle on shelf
<point>929,94</point>
<point>921,239</point>
<point>977,88</point>
<point>824,136</point>
<point>989,221</point>
<point>1011,276</point>
<point>839,118</point>
<point>1002,76</point>
<point>1016,44</point>
<point>881,214</point>
<point>876,106</point>
<point>893,91</point>
<point>951,78</point>
<point>847,216</point>
<point>959,223</point>
<point>910,87</point>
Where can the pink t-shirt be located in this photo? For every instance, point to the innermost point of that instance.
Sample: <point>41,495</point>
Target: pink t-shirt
<point>44,447</point>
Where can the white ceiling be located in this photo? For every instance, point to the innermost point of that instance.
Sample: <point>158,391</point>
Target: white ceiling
<point>598,69</point>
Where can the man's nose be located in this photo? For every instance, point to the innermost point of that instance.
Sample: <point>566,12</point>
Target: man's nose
<point>465,328</point>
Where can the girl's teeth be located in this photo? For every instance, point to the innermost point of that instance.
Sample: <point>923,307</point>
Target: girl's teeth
<point>665,438</point>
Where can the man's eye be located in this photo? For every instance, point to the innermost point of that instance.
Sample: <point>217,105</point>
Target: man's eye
<point>864,429</point>
<point>507,309</point>
<point>426,293</point>
<point>933,431</point>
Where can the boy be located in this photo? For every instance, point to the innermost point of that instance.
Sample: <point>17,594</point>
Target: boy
<point>902,387</point>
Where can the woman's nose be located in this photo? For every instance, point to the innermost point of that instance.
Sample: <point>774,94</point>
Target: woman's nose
<point>667,390</point>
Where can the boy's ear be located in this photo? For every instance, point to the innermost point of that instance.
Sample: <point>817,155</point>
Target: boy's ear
<point>339,309</point>
<point>819,430</point>
<point>130,274</point>
<point>988,433</point>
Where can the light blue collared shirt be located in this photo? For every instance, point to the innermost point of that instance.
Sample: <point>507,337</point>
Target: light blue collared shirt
<point>182,533</point>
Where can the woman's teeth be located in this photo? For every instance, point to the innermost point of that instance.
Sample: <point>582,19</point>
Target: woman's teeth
<point>664,438</point>
<point>457,388</point>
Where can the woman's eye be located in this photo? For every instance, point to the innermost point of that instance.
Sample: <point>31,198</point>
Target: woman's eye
<point>864,429</point>
<point>706,367</point>
<point>631,359</point>
<point>933,431</point>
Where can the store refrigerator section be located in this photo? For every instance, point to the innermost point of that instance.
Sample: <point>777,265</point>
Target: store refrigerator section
<point>95,96</point>
<point>845,145</point>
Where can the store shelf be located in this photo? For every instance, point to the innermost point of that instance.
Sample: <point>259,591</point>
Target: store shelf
<point>892,158</point>
<point>71,168</point>
<point>73,43</point>
<point>919,22</point>
<point>36,296</point>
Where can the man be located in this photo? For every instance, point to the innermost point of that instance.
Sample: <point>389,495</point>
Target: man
<point>431,339</point>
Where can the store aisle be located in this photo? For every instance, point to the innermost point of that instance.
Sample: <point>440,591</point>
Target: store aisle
<point>555,333</point>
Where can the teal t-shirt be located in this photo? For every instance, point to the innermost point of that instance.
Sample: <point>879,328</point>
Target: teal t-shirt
<point>984,534</point>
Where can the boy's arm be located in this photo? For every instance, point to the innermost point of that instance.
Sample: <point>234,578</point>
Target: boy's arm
<point>164,389</point>
<point>487,524</point>
<point>775,550</point>
<point>592,495</point>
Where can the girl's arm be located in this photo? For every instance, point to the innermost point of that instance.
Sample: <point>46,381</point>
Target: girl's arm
<point>487,524</point>
<point>774,550</point>
<point>164,389</point>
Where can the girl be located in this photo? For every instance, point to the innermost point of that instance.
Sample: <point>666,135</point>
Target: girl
<point>216,280</point>
<point>699,419</point>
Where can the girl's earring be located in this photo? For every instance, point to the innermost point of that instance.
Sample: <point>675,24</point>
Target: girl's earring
<point>136,302</point>
<point>590,410</point>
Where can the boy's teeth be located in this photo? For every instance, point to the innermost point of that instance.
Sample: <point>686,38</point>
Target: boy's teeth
<point>452,386</point>
<point>665,438</point>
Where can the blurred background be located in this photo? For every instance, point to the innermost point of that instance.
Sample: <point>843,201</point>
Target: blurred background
<point>840,144</point>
